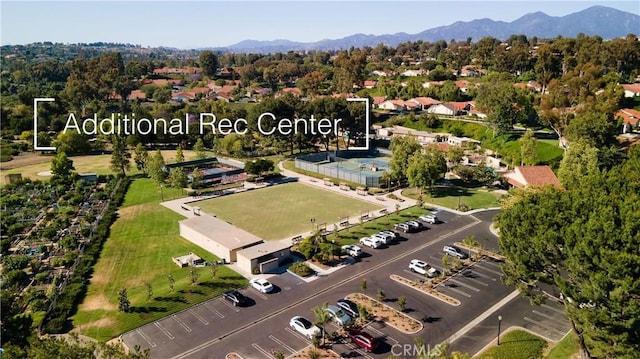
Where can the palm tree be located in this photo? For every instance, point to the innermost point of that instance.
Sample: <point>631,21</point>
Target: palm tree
<point>322,317</point>
<point>470,241</point>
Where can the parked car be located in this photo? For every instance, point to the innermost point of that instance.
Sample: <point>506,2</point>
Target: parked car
<point>415,224</point>
<point>348,307</point>
<point>455,252</point>
<point>403,227</point>
<point>262,285</point>
<point>352,250</point>
<point>304,327</point>
<point>364,340</point>
<point>337,315</point>
<point>236,298</point>
<point>393,234</point>
<point>422,267</point>
<point>429,218</point>
<point>382,238</point>
<point>371,242</point>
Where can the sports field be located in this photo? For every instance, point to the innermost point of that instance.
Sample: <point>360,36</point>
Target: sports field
<point>285,210</point>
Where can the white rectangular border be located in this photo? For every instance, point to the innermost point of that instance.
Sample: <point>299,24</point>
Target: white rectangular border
<point>35,123</point>
<point>366,131</point>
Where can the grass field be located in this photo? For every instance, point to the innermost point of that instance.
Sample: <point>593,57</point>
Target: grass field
<point>92,163</point>
<point>565,348</point>
<point>516,344</point>
<point>284,210</point>
<point>450,197</point>
<point>142,242</point>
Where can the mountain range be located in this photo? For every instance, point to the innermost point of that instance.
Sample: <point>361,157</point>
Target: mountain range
<point>604,21</point>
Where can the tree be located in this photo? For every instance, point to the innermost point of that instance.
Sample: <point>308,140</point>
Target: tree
<point>179,154</point>
<point>199,149</point>
<point>197,178</point>
<point>141,157</point>
<point>124,305</point>
<point>402,303</point>
<point>528,143</point>
<point>193,275</point>
<point>381,295</point>
<point>72,143</point>
<point>155,168</point>
<point>171,281</point>
<point>454,155</point>
<point>214,269</point>
<point>403,148</point>
<point>471,242</point>
<point>586,250</point>
<point>425,168</point>
<point>178,178</point>
<point>363,286</point>
<point>208,63</point>
<point>322,317</point>
<point>499,99</point>
<point>579,161</point>
<point>120,156</point>
<point>62,166</point>
<point>596,129</point>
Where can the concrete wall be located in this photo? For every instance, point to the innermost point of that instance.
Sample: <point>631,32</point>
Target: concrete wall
<point>206,243</point>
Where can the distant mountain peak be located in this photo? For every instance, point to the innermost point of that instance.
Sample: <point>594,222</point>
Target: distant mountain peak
<point>596,20</point>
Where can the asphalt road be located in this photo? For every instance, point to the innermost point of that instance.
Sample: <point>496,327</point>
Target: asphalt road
<point>214,328</point>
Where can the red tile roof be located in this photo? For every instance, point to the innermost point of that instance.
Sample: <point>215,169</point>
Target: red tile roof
<point>635,88</point>
<point>628,115</point>
<point>533,176</point>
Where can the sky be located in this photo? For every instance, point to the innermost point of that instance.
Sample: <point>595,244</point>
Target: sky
<point>197,24</point>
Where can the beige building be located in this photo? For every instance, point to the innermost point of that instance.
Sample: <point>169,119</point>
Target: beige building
<point>264,257</point>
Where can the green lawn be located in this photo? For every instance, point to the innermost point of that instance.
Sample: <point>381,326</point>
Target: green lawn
<point>451,197</point>
<point>565,348</point>
<point>285,210</point>
<point>516,344</point>
<point>143,240</point>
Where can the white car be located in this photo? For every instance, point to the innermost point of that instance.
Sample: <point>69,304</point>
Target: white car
<point>422,267</point>
<point>390,233</point>
<point>382,238</point>
<point>304,327</point>
<point>338,315</point>
<point>262,285</point>
<point>429,218</point>
<point>352,250</point>
<point>371,242</point>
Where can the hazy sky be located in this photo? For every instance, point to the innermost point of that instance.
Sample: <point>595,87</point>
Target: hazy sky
<point>192,24</point>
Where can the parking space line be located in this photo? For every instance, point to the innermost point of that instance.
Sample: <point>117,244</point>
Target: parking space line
<point>382,334</point>
<point>482,275</point>
<point>474,280</point>
<point>259,348</point>
<point>457,290</point>
<point>229,305</point>
<point>491,263</point>
<point>199,317</point>
<point>260,294</point>
<point>553,309</point>
<point>182,324</point>
<point>436,259</point>
<point>298,335</point>
<point>463,284</point>
<point>357,350</point>
<point>214,310</point>
<point>543,326</point>
<point>555,319</point>
<point>414,274</point>
<point>284,345</point>
<point>166,332</point>
<point>146,338</point>
<point>478,266</point>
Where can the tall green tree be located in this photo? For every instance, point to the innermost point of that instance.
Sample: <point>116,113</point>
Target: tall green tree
<point>178,178</point>
<point>579,161</point>
<point>208,63</point>
<point>528,144</point>
<point>62,166</point>
<point>322,317</point>
<point>155,168</point>
<point>124,304</point>
<point>499,99</point>
<point>120,156</point>
<point>179,154</point>
<point>141,157</point>
<point>587,249</point>
<point>198,147</point>
<point>426,168</point>
<point>403,148</point>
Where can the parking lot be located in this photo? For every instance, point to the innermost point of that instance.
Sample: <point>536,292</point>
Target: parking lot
<point>262,330</point>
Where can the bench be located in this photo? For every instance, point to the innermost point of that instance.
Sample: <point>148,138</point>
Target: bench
<point>344,223</point>
<point>384,211</point>
<point>365,217</point>
<point>185,208</point>
<point>296,239</point>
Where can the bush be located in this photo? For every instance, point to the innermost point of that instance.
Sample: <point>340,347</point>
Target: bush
<point>301,269</point>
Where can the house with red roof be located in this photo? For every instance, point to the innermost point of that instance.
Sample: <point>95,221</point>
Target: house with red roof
<point>532,176</point>
<point>369,84</point>
<point>424,102</point>
<point>393,105</point>
<point>631,90</point>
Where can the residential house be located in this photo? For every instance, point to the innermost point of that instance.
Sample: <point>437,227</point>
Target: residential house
<point>630,118</point>
<point>461,141</point>
<point>382,73</point>
<point>463,85</point>
<point>177,71</point>
<point>450,108</point>
<point>424,102</point>
<point>292,90</point>
<point>429,84</point>
<point>393,105</point>
<point>631,90</point>
<point>534,85</point>
<point>470,71</point>
<point>423,137</point>
<point>528,176</point>
<point>377,100</point>
<point>369,84</point>
<point>414,73</point>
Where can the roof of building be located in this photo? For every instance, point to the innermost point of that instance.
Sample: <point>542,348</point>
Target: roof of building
<point>635,88</point>
<point>523,176</point>
<point>629,115</point>
<point>262,249</point>
<point>223,233</point>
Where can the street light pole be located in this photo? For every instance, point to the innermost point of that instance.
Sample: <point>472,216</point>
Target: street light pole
<point>499,321</point>
<point>161,194</point>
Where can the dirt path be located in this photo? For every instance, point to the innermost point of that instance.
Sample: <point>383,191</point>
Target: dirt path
<point>24,159</point>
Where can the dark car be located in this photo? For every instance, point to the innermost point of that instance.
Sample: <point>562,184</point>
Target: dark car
<point>364,340</point>
<point>236,298</point>
<point>349,307</point>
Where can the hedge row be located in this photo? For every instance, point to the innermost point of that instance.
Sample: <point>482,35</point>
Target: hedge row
<point>68,301</point>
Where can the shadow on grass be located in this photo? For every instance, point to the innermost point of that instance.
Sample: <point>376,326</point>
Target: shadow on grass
<point>191,291</point>
<point>440,191</point>
<point>149,309</point>
<point>177,299</point>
